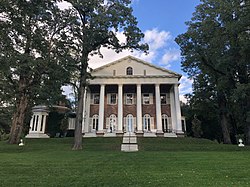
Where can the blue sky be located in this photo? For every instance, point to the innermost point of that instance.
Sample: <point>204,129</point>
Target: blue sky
<point>161,21</point>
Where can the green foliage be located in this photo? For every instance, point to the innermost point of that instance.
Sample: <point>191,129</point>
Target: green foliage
<point>215,52</point>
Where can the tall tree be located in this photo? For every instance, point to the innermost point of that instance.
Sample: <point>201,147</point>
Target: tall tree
<point>31,42</point>
<point>217,45</point>
<point>94,25</point>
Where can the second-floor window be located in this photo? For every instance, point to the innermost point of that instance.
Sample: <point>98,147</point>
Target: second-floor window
<point>147,98</point>
<point>129,99</point>
<point>112,98</point>
<point>95,99</point>
<point>129,71</point>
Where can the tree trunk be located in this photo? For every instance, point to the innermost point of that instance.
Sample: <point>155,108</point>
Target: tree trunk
<point>79,119</point>
<point>79,111</point>
<point>18,120</point>
<point>224,121</point>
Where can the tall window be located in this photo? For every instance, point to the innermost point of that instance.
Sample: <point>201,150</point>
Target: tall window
<point>165,99</point>
<point>95,122</point>
<point>129,71</point>
<point>112,123</point>
<point>147,98</point>
<point>95,98</point>
<point>129,123</point>
<point>129,99</point>
<point>146,122</point>
<point>112,99</point>
<point>165,126</point>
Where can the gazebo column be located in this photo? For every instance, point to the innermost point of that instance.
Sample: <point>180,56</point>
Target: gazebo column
<point>158,110</point>
<point>139,110</point>
<point>120,110</point>
<point>101,111</point>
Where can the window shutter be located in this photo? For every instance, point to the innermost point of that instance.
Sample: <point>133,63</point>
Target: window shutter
<point>107,124</point>
<point>134,123</point>
<point>152,123</point>
<point>151,99</point>
<point>134,99</point>
<point>168,98</point>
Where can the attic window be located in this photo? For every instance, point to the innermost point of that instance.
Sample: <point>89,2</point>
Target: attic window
<point>129,71</point>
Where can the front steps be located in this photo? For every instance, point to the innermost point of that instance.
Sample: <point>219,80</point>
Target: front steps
<point>129,142</point>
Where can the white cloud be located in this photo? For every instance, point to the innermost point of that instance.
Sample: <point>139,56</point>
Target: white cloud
<point>170,55</point>
<point>185,87</point>
<point>156,40</point>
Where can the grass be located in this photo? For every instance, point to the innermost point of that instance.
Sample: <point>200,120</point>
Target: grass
<point>159,162</point>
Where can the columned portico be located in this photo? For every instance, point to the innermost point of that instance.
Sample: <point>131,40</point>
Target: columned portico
<point>133,96</point>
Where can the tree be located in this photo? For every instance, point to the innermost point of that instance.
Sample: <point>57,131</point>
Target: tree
<point>216,45</point>
<point>32,48</point>
<point>95,24</point>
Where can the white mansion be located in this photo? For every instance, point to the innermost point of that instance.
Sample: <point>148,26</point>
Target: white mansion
<point>129,95</point>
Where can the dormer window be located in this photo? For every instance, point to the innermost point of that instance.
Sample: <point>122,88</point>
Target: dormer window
<point>129,71</point>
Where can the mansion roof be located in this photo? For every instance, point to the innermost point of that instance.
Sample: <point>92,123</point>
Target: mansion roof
<point>142,71</point>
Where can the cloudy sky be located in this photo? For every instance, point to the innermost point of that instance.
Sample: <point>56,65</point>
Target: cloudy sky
<point>161,21</point>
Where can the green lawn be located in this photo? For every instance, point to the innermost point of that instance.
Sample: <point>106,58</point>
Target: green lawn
<point>159,162</point>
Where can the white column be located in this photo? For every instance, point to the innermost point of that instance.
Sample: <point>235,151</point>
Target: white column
<point>178,109</point>
<point>158,109</point>
<point>101,109</point>
<point>31,123</point>
<point>139,109</point>
<point>173,109</point>
<point>120,109</point>
<point>44,122</point>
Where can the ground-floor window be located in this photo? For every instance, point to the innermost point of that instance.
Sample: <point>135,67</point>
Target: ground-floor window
<point>165,123</point>
<point>129,123</point>
<point>146,122</point>
<point>111,123</point>
<point>95,122</point>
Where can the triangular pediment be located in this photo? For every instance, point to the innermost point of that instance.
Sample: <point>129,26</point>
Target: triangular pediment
<point>140,68</point>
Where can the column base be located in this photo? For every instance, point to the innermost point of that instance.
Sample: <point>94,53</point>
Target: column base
<point>36,135</point>
<point>159,133</point>
<point>100,133</point>
<point>119,133</point>
<point>180,133</point>
<point>139,133</point>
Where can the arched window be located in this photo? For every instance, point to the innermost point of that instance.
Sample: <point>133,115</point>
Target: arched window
<point>129,71</point>
<point>146,122</point>
<point>95,122</point>
<point>165,125</point>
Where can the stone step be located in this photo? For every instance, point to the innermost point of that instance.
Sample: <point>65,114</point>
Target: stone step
<point>170,135</point>
<point>132,140</point>
<point>129,147</point>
